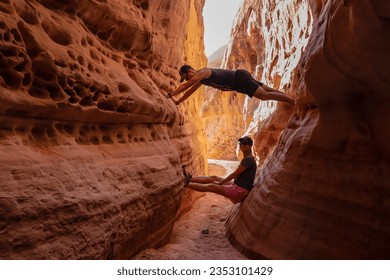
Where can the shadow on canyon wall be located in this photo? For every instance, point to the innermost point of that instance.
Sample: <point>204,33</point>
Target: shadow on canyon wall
<point>91,150</point>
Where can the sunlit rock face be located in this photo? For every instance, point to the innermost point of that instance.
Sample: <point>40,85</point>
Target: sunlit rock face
<point>267,39</point>
<point>193,54</point>
<point>223,123</point>
<point>215,59</point>
<point>90,149</point>
<point>324,192</point>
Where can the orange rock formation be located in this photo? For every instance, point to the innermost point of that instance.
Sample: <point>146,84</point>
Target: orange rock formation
<point>90,149</point>
<point>267,39</point>
<point>323,192</point>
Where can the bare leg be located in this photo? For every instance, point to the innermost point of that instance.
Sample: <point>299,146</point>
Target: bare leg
<point>199,179</point>
<point>214,188</point>
<point>265,92</point>
<point>206,179</point>
<point>270,89</point>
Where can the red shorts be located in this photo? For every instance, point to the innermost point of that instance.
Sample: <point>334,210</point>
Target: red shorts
<point>235,193</point>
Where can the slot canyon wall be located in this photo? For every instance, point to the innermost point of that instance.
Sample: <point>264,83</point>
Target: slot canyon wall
<point>267,39</point>
<point>90,149</point>
<point>323,191</point>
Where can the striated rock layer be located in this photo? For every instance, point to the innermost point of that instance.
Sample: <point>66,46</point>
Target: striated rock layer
<point>90,149</point>
<point>324,192</point>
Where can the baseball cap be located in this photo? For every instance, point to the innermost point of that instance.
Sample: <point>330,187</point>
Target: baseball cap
<point>246,140</point>
<point>183,71</point>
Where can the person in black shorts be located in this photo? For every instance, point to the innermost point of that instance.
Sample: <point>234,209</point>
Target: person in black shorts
<point>226,80</point>
<point>235,186</point>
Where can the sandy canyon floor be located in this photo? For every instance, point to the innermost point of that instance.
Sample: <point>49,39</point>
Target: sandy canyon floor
<point>209,212</point>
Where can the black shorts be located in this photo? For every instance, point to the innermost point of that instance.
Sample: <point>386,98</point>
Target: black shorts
<point>245,83</point>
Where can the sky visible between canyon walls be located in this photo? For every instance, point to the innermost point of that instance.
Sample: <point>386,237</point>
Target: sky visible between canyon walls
<point>218,18</point>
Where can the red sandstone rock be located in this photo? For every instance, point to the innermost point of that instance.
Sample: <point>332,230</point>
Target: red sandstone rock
<point>91,151</point>
<point>324,192</point>
<point>90,148</point>
<point>215,59</point>
<point>267,39</point>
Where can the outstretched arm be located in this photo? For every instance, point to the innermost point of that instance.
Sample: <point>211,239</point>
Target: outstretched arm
<point>196,77</point>
<point>188,93</point>
<point>183,87</point>
<point>237,172</point>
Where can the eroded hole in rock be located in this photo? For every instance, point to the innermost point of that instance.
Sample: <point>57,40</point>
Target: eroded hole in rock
<point>51,133</point>
<point>38,92</point>
<point>69,129</point>
<point>109,105</point>
<point>95,140</point>
<point>122,87</point>
<point>74,99</point>
<point>124,107</point>
<point>29,17</point>
<point>61,38</point>
<point>86,101</point>
<point>12,79</point>
<point>113,69</point>
<point>107,139</point>
<point>38,132</point>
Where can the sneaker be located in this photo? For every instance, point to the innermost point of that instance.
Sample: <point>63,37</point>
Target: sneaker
<point>187,180</point>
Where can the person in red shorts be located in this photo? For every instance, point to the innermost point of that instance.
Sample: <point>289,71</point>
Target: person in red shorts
<point>237,185</point>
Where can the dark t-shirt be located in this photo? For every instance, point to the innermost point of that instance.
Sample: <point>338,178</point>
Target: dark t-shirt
<point>246,179</point>
<point>232,80</point>
<point>221,79</point>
